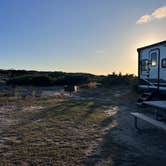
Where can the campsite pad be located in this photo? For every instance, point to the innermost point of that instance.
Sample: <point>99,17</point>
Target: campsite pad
<point>93,127</point>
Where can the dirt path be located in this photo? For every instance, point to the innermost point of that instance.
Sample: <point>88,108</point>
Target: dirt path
<point>122,144</point>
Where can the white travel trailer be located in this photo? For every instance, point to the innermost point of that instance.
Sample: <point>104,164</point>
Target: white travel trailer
<point>152,67</point>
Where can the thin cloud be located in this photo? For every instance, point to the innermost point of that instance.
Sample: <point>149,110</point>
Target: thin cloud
<point>159,13</point>
<point>100,51</point>
<point>144,19</point>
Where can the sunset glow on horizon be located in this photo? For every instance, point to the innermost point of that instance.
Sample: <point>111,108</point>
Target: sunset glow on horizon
<point>98,37</point>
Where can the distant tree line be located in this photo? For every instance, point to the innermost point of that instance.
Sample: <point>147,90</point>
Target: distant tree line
<point>119,79</point>
<point>46,78</point>
<point>40,78</point>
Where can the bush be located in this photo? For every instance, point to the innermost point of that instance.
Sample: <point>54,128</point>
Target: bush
<point>114,80</point>
<point>31,80</point>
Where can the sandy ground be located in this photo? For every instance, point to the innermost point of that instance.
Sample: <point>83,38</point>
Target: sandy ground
<point>93,127</point>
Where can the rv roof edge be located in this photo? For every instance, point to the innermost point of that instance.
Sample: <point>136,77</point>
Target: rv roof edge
<point>152,45</point>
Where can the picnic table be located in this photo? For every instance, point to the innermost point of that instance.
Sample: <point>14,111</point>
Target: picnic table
<point>158,106</point>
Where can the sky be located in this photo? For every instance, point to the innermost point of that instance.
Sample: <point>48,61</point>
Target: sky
<point>94,36</point>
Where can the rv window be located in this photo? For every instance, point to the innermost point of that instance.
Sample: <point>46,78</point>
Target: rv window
<point>154,59</point>
<point>144,65</point>
<point>163,64</point>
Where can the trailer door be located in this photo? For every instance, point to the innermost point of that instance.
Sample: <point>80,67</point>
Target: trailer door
<point>154,64</point>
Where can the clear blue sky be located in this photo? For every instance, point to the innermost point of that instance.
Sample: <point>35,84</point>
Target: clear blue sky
<point>96,36</point>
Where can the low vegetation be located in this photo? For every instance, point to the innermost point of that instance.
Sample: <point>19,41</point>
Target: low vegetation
<point>36,78</point>
<point>119,79</point>
<point>58,133</point>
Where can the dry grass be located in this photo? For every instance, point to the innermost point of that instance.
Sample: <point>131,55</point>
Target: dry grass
<point>58,132</point>
<point>92,128</point>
